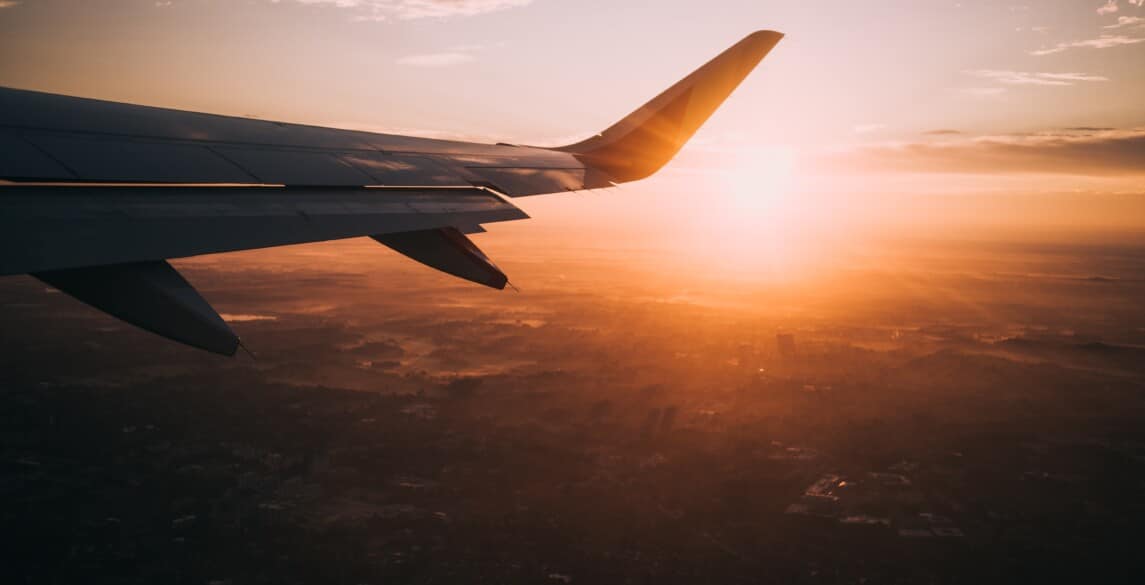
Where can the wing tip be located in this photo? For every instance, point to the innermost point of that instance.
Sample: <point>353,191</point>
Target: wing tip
<point>765,34</point>
<point>642,142</point>
<point>761,42</point>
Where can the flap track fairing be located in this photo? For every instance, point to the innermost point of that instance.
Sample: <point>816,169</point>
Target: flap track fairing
<point>448,250</point>
<point>151,295</point>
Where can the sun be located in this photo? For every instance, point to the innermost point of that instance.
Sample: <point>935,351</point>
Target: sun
<point>749,227</point>
<point>758,186</point>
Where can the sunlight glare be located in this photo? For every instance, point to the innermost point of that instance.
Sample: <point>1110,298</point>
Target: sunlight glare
<point>748,226</point>
<point>759,184</point>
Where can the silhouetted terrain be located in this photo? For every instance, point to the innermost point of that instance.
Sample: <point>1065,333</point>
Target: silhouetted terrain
<point>944,413</point>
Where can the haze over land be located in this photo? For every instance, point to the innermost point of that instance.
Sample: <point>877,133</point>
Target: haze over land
<point>951,411</point>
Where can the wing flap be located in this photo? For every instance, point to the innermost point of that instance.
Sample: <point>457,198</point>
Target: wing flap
<point>520,182</point>
<point>53,228</point>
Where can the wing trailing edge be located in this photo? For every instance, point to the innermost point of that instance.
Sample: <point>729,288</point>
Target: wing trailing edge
<point>56,228</point>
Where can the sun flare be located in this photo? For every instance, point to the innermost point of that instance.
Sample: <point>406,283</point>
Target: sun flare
<point>759,184</point>
<point>750,225</point>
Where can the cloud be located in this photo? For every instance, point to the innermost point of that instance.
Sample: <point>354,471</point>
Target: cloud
<point>1091,152</point>
<point>1028,78</point>
<point>436,59</point>
<point>8,3</point>
<point>1112,6</point>
<point>1061,78</point>
<point>455,55</point>
<point>415,9</point>
<point>942,132</point>
<point>1128,22</point>
<point>1102,42</point>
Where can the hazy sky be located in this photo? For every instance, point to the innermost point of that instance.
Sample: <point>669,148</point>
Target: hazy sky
<point>555,69</point>
<point>860,97</point>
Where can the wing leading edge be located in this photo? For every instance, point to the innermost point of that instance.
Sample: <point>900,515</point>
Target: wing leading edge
<point>100,194</point>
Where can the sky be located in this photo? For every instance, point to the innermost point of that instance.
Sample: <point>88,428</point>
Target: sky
<point>861,105</point>
<point>553,70</point>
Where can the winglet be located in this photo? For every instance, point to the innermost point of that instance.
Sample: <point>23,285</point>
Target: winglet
<point>645,140</point>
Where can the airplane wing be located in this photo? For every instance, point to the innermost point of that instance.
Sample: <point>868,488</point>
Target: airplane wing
<point>95,196</point>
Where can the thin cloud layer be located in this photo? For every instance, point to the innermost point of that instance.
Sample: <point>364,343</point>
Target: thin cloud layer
<point>1105,41</point>
<point>455,55</point>
<point>1127,22</point>
<point>416,9</point>
<point>1079,151</point>
<point>1112,6</point>
<point>1034,78</point>
<point>1127,32</point>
